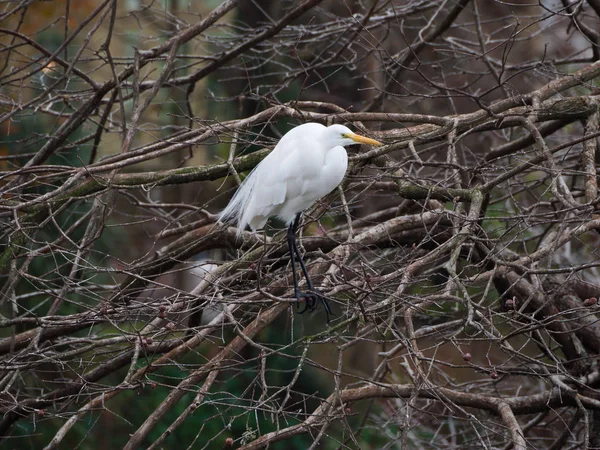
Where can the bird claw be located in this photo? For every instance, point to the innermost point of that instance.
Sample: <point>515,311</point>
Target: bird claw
<point>311,299</point>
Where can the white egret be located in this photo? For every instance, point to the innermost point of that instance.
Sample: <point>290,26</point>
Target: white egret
<point>307,163</point>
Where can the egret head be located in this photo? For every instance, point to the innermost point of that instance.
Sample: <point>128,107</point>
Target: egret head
<point>340,135</point>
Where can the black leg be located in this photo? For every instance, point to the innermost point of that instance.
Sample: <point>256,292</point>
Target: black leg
<point>291,238</point>
<point>312,296</point>
<point>294,249</point>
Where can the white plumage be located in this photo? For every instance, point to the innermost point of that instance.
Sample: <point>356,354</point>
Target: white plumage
<point>307,163</point>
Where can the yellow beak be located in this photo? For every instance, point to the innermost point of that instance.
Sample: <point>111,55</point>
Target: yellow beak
<point>363,140</point>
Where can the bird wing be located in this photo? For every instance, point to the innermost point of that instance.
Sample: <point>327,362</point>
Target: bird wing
<point>284,177</point>
<point>270,191</point>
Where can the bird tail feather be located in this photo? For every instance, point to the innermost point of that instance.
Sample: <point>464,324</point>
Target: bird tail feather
<point>234,212</point>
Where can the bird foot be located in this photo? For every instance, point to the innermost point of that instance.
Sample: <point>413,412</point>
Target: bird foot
<point>311,299</point>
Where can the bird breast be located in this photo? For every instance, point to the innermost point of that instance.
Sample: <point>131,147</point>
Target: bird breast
<point>309,176</point>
